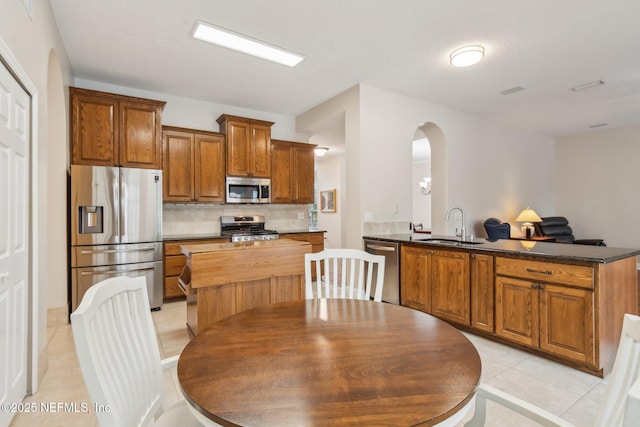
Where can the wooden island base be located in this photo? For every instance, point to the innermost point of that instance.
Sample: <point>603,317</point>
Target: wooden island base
<point>222,279</point>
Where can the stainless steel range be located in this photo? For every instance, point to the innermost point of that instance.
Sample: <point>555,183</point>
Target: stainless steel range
<point>246,228</point>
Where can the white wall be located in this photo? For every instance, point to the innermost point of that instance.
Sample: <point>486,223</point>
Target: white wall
<point>31,40</point>
<point>330,170</point>
<point>348,104</point>
<point>598,179</point>
<point>421,203</point>
<point>491,170</point>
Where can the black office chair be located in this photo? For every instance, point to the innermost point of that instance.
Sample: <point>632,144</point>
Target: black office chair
<point>497,229</point>
<point>558,228</point>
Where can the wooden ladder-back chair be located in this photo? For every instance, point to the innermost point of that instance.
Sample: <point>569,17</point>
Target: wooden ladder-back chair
<point>344,273</point>
<point>119,356</point>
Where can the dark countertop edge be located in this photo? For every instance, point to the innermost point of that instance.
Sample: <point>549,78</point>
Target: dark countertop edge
<point>487,246</point>
<point>170,238</point>
<point>176,237</point>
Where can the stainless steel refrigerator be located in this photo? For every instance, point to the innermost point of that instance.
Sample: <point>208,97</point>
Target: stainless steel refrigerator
<point>116,228</point>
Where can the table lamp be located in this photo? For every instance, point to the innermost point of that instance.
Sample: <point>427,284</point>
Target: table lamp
<point>527,217</point>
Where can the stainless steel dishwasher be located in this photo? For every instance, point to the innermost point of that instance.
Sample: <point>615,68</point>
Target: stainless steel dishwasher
<point>391,253</point>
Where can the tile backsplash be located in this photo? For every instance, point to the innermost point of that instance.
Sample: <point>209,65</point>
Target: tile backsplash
<point>385,227</point>
<point>204,219</point>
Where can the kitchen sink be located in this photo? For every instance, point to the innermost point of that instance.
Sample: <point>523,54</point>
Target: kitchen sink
<point>446,241</point>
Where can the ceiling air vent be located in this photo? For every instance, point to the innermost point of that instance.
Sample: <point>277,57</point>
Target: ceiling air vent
<point>512,90</point>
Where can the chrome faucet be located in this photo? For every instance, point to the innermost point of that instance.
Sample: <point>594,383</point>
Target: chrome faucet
<point>459,232</point>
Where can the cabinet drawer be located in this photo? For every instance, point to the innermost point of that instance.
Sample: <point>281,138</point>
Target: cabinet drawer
<point>173,265</point>
<point>575,275</point>
<point>171,288</point>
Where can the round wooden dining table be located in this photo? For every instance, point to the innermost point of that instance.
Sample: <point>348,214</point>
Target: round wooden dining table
<point>329,362</point>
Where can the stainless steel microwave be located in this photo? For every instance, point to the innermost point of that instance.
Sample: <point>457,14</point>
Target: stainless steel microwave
<point>248,190</point>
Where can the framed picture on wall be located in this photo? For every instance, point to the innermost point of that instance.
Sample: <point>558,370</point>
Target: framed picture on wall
<point>328,201</point>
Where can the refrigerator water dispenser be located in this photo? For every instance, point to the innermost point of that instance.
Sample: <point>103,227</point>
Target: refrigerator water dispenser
<point>90,220</point>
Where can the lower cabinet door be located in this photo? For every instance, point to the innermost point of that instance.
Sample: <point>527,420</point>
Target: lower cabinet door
<point>567,322</point>
<point>415,290</point>
<point>450,286</point>
<point>517,310</point>
<point>482,294</point>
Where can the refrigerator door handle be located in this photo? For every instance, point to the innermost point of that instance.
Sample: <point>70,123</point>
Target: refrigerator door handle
<point>116,251</point>
<point>96,273</point>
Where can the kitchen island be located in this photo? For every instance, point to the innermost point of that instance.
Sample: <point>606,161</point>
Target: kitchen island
<point>222,279</point>
<point>561,301</point>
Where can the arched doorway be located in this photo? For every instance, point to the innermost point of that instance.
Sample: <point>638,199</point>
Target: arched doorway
<point>430,208</point>
<point>421,182</point>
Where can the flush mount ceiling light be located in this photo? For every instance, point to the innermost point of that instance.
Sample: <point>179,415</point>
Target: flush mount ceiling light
<point>209,33</point>
<point>320,151</point>
<point>467,55</point>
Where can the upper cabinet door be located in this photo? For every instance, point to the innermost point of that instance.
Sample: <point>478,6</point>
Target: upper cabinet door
<point>282,172</point>
<point>115,130</point>
<point>303,159</point>
<point>248,146</point>
<point>238,149</point>
<point>178,166</point>
<point>94,124</point>
<point>140,135</point>
<point>261,151</point>
<point>209,167</point>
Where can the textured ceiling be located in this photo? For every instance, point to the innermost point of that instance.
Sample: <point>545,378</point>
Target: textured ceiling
<point>544,46</point>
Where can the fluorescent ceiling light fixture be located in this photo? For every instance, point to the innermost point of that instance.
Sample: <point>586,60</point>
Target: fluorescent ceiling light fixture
<point>467,55</point>
<point>588,85</point>
<point>240,43</point>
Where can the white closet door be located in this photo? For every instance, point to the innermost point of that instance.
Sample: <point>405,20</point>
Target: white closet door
<point>15,118</point>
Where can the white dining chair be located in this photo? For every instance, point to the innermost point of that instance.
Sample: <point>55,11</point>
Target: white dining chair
<point>344,273</point>
<point>620,406</point>
<point>119,356</point>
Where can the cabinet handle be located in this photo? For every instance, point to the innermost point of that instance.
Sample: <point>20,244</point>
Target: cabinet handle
<point>531,270</point>
<point>541,286</point>
<point>534,286</point>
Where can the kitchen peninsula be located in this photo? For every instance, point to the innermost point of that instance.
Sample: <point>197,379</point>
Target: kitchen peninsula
<point>561,301</point>
<point>222,279</point>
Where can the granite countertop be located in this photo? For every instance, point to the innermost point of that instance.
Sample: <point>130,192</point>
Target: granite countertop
<point>172,237</point>
<point>562,251</point>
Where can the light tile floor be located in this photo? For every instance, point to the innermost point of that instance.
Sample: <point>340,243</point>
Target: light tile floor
<point>571,394</point>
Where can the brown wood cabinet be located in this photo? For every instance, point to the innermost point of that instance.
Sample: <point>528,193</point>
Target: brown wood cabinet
<point>115,130</point>
<point>248,146</point>
<point>547,305</point>
<point>292,167</point>
<point>437,282</point>
<point>193,167</point>
<point>568,310</point>
<point>174,262</point>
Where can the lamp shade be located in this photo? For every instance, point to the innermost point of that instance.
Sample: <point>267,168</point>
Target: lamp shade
<point>528,215</point>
